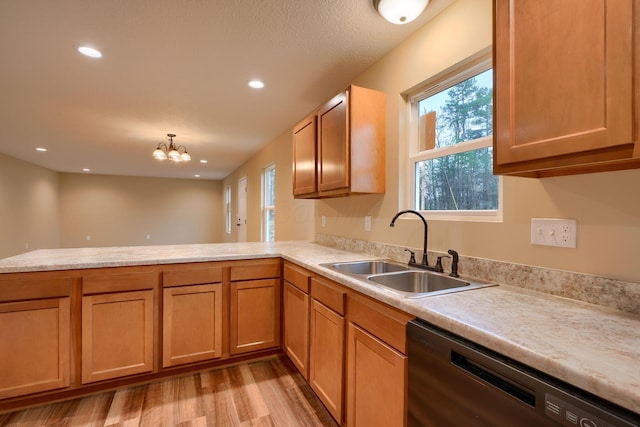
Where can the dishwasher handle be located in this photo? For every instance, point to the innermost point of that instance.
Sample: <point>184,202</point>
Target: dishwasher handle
<point>485,375</point>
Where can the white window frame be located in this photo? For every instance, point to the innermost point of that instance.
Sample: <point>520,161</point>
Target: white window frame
<point>265,206</point>
<point>227,210</point>
<point>465,69</point>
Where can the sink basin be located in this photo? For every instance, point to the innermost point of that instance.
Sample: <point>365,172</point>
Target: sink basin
<point>418,283</point>
<point>368,267</point>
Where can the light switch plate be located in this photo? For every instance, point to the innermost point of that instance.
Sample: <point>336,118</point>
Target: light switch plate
<point>554,232</point>
<point>367,223</point>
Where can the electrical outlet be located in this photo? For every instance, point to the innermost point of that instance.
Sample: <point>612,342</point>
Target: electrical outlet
<point>88,237</point>
<point>554,232</point>
<point>367,223</point>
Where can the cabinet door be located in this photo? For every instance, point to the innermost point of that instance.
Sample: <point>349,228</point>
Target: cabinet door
<point>296,327</point>
<point>304,157</point>
<point>117,335</point>
<point>255,315</point>
<point>35,346</point>
<point>333,144</point>
<point>376,381</point>
<point>192,324</point>
<point>326,373</point>
<point>563,82</point>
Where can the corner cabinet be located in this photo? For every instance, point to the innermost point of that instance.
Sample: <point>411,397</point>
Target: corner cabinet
<point>340,149</point>
<point>566,86</point>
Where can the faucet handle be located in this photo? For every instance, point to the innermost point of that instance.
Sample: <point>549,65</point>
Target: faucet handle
<point>412,260</point>
<point>438,267</point>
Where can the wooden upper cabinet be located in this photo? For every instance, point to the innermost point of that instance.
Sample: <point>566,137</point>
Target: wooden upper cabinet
<point>304,157</point>
<point>564,86</point>
<point>350,146</point>
<point>333,144</point>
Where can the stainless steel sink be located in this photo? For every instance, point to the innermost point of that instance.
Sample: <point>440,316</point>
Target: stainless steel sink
<point>419,283</point>
<point>403,280</point>
<point>368,267</point>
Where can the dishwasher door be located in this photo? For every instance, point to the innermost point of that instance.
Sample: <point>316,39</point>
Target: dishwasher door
<point>454,382</point>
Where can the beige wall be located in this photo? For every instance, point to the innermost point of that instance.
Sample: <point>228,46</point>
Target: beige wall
<point>606,205</point>
<point>29,212</point>
<point>121,211</point>
<point>294,219</point>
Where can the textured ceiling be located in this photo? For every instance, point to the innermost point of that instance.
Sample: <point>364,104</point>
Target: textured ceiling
<point>175,66</point>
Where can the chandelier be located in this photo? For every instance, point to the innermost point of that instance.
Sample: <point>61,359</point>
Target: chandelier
<point>172,152</point>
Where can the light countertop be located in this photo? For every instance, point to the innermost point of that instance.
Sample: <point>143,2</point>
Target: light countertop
<point>594,348</point>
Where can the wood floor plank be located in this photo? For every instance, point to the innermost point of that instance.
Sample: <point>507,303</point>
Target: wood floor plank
<point>126,406</point>
<point>92,410</point>
<point>189,405</point>
<point>246,395</point>
<point>265,393</point>
<point>152,408</point>
<point>218,405</point>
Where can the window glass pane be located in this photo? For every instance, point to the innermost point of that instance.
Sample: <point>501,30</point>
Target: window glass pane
<point>463,181</point>
<point>462,113</point>
<point>270,179</point>
<point>269,201</point>
<point>228,209</point>
<point>270,234</point>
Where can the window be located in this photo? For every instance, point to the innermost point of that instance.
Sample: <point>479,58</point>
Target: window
<point>227,209</point>
<point>450,153</point>
<point>268,203</point>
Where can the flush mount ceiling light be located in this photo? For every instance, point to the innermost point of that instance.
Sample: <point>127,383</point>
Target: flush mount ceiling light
<point>400,11</point>
<point>90,52</point>
<point>172,152</point>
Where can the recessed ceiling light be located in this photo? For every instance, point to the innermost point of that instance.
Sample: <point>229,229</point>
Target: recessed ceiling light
<point>197,175</point>
<point>256,84</point>
<point>86,170</point>
<point>41,149</point>
<point>203,161</point>
<point>90,52</point>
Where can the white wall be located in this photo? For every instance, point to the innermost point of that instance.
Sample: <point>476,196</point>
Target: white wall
<point>29,210</point>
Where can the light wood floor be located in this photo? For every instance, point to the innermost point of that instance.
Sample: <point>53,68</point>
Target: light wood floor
<point>264,393</point>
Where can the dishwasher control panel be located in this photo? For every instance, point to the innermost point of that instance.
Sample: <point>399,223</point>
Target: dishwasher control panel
<point>569,415</point>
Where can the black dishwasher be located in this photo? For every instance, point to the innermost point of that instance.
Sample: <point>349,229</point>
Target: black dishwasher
<point>454,382</point>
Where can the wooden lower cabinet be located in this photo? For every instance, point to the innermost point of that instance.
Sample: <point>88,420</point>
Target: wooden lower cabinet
<point>326,368</point>
<point>376,381</point>
<point>192,324</point>
<point>35,354</point>
<point>117,335</point>
<point>295,340</point>
<point>255,315</point>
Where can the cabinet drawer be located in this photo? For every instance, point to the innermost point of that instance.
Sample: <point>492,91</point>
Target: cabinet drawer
<point>195,276</point>
<point>328,294</point>
<point>28,289</point>
<point>297,277</point>
<point>118,282</point>
<point>250,270</point>
<point>384,322</point>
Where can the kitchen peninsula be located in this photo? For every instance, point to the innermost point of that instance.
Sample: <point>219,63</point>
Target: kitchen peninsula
<point>591,347</point>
